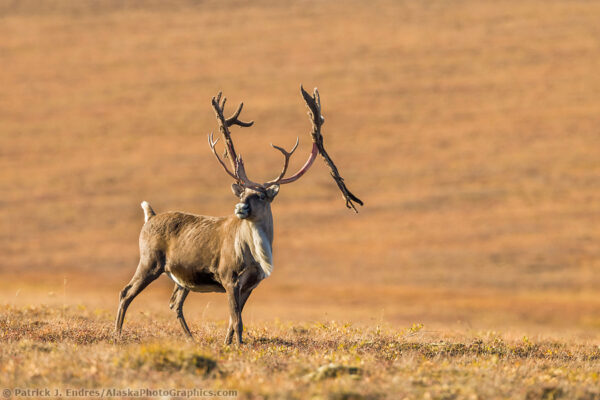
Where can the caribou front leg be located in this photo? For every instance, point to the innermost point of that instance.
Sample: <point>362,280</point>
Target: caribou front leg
<point>230,330</point>
<point>235,313</point>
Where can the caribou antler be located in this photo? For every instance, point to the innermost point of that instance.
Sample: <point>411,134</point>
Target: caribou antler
<point>311,158</point>
<point>237,164</point>
<point>224,125</point>
<point>287,156</point>
<point>212,144</point>
<point>314,111</point>
<point>239,173</point>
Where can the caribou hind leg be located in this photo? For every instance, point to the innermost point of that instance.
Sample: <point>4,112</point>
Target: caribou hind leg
<point>174,296</point>
<point>176,304</point>
<point>147,271</point>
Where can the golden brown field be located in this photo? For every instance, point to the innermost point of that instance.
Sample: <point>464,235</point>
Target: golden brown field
<point>469,128</point>
<point>74,347</point>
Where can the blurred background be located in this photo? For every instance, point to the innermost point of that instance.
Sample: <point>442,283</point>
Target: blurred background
<point>469,128</point>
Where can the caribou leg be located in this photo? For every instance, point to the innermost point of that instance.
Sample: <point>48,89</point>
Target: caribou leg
<point>147,271</point>
<point>177,299</point>
<point>235,312</point>
<point>244,297</point>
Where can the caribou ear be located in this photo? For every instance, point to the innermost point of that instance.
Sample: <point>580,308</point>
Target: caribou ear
<point>272,191</point>
<point>237,190</point>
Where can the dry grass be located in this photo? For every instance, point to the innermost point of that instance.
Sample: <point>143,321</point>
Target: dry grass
<point>470,129</point>
<point>73,347</point>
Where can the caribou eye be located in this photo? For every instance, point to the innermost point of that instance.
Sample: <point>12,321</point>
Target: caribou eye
<point>261,196</point>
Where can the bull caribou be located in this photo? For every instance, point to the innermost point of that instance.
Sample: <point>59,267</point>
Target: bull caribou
<point>231,254</point>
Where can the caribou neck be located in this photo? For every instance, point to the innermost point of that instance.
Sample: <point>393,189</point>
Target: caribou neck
<point>264,224</point>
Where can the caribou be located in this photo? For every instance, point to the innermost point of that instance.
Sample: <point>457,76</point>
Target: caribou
<point>230,254</point>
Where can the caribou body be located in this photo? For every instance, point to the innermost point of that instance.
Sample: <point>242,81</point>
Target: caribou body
<point>231,254</point>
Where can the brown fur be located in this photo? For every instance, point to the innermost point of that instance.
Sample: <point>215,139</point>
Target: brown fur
<point>207,254</point>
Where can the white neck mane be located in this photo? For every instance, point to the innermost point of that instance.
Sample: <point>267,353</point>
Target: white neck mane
<point>253,237</point>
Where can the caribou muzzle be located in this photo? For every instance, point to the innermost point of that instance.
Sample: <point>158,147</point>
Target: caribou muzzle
<point>242,210</point>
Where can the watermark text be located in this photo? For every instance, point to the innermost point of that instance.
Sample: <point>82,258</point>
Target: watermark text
<point>9,393</point>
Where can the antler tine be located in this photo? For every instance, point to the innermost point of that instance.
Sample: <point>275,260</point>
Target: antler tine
<point>281,149</point>
<point>287,156</point>
<point>212,144</point>
<point>233,120</point>
<point>314,111</point>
